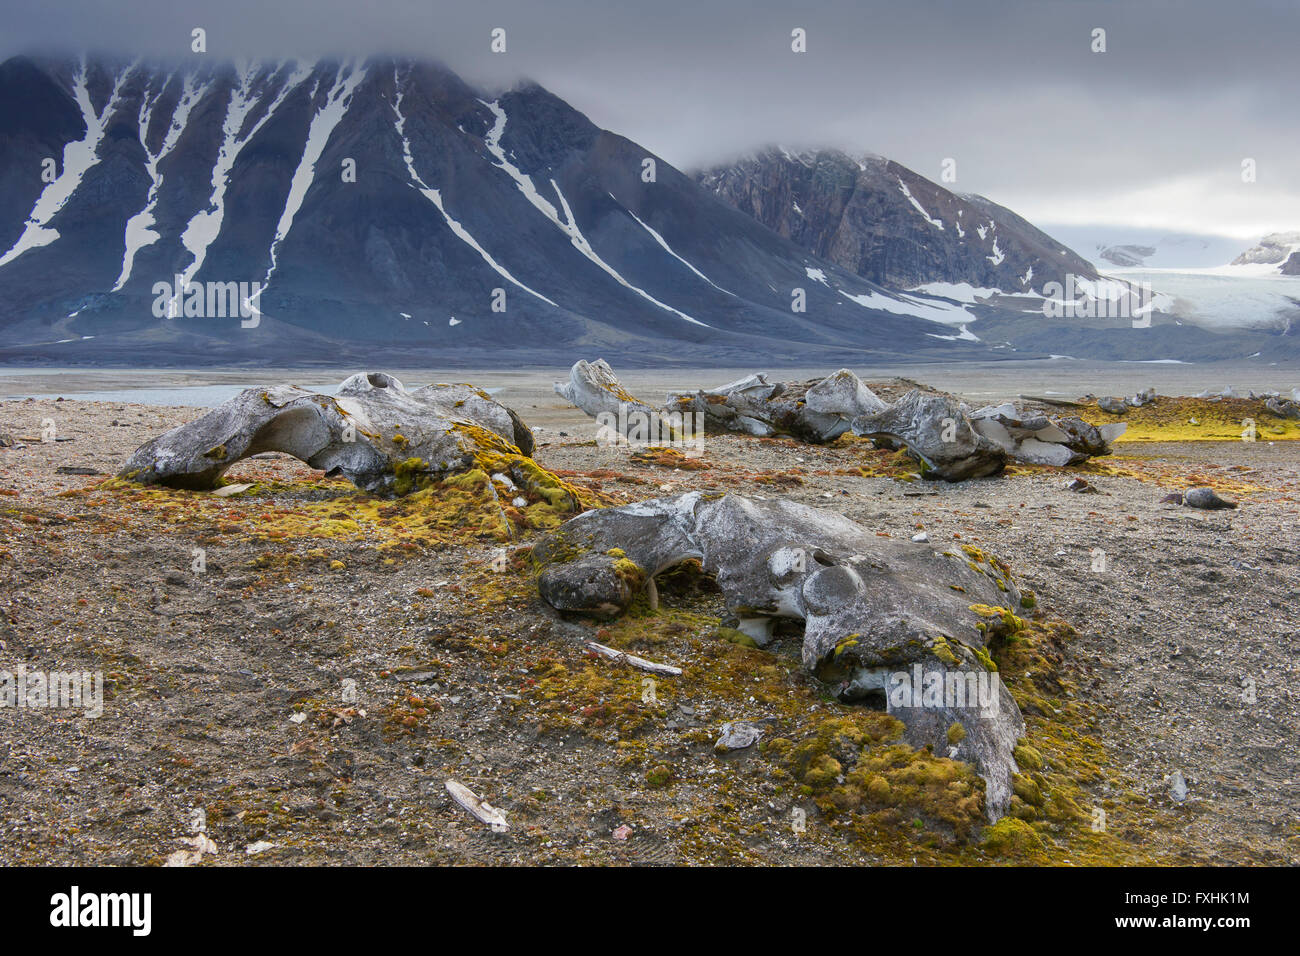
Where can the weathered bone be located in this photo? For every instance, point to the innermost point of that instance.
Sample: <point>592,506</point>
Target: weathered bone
<point>874,608</point>
<point>594,388</point>
<point>372,429</point>
<point>813,411</point>
<point>952,442</point>
<point>1041,440</point>
<point>937,432</point>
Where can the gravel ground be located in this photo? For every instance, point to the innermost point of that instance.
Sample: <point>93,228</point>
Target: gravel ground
<point>230,691</point>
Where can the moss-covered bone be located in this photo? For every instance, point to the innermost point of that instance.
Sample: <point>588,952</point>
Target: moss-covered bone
<point>880,615</point>
<point>374,432</point>
<point>1042,439</point>
<point>950,441</point>
<point>937,432</point>
<point>594,388</point>
<point>818,410</point>
<point>814,411</point>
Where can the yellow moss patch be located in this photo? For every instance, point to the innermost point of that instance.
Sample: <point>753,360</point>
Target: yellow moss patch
<point>879,462</point>
<point>431,508</point>
<point>666,457</point>
<point>1012,837</point>
<point>1170,419</point>
<point>1059,793</point>
<point>1162,471</point>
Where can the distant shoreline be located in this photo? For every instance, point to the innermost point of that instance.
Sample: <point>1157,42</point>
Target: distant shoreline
<point>997,381</point>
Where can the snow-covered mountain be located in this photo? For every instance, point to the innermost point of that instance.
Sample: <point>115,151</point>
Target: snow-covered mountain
<point>1109,247</point>
<point>386,211</point>
<point>1279,251</point>
<point>384,205</point>
<point>1196,281</point>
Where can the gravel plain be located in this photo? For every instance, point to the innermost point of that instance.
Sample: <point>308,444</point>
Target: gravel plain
<point>306,694</point>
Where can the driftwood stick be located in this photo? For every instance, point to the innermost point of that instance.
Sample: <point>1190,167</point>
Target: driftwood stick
<point>638,662</point>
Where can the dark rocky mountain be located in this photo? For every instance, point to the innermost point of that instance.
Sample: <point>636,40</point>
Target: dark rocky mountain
<point>1126,256</point>
<point>890,225</point>
<point>240,174</point>
<point>1281,249</point>
<point>386,211</point>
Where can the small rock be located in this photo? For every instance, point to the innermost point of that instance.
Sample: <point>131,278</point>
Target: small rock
<point>477,806</point>
<point>1178,786</point>
<point>199,845</point>
<point>921,537</point>
<point>737,735</point>
<point>1114,406</point>
<point>1205,498</point>
<point>225,491</point>
<point>415,677</point>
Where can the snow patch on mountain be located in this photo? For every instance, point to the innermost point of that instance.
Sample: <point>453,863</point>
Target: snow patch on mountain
<point>569,225</point>
<point>139,228</point>
<point>78,158</point>
<point>204,228</point>
<point>935,311</point>
<point>336,104</point>
<point>435,197</point>
<point>962,291</point>
<point>965,335</point>
<point>669,249</point>
<point>919,208</point>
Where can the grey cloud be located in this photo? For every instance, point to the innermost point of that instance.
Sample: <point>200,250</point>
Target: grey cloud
<point>1009,88</point>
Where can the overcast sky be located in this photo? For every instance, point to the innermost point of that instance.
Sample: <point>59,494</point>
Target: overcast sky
<point>1151,133</point>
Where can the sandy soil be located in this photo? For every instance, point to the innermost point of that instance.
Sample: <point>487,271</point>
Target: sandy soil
<point>227,688</point>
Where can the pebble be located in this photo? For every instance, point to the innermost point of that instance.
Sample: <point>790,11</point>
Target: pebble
<point>737,735</point>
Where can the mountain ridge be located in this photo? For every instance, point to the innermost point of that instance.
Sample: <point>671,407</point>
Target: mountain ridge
<point>889,224</point>
<point>232,170</point>
<point>386,209</point>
